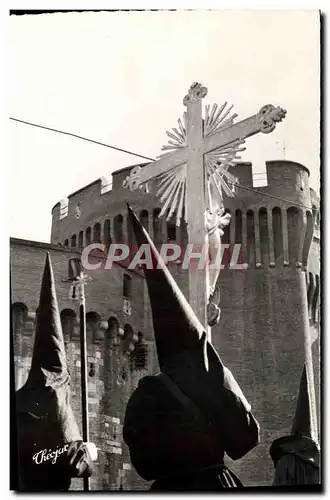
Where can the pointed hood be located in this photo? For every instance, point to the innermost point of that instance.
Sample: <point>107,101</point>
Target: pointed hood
<point>49,365</point>
<point>303,439</point>
<point>187,358</point>
<point>177,328</point>
<point>303,424</point>
<point>44,409</point>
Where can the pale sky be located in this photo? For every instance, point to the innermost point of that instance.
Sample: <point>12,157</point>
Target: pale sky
<point>120,78</point>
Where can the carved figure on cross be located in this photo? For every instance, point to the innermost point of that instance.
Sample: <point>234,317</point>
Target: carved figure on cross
<point>192,174</point>
<point>77,288</point>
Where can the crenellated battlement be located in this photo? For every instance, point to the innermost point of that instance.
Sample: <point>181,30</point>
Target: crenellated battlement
<point>283,177</point>
<point>67,206</point>
<point>274,224</point>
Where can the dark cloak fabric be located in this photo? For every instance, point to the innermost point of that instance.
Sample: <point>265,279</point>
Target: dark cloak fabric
<point>296,461</point>
<point>181,422</point>
<point>292,470</point>
<point>296,456</point>
<point>50,447</point>
<point>213,479</point>
<point>176,445</point>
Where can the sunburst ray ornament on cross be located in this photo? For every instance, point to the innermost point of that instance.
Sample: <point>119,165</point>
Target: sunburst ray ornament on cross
<point>171,188</point>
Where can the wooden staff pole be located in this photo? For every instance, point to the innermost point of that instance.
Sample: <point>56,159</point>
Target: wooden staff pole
<point>84,379</point>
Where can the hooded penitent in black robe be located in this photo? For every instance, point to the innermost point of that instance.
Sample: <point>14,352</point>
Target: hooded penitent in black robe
<point>50,447</point>
<point>296,457</point>
<point>180,423</point>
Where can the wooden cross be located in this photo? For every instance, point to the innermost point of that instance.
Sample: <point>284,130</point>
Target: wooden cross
<point>204,150</point>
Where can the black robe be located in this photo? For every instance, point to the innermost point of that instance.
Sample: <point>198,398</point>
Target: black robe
<point>48,456</point>
<point>50,448</point>
<point>293,470</point>
<point>212,479</point>
<point>176,446</point>
<point>179,424</point>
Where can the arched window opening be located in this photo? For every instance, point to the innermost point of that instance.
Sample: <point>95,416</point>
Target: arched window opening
<point>127,286</point>
<point>139,356</point>
<point>128,330</point>
<point>92,325</point>
<point>107,233</point>
<point>238,226</point>
<point>129,339</point>
<point>250,237</point>
<point>113,328</point>
<point>81,239</point>
<point>225,238</point>
<point>144,218</point>
<point>97,233</point>
<point>309,233</point>
<point>88,236</point>
<point>118,228</point>
<point>294,218</point>
<point>171,230</point>
<point>157,226</point>
<point>68,321</point>
<point>316,216</point>
<point>310,293</point>
<point>315,302</point>
<point>19,314</point>
<point>277,232</point>
<point>73,241</point>
<point>183,234</point>
<point>264,239</point>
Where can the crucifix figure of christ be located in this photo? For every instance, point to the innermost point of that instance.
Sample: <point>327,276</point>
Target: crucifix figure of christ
<point>192,175</point>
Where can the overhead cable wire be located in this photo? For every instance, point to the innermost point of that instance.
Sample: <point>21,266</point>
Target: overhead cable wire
<point>81,137</point>
<point>241,186</point>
